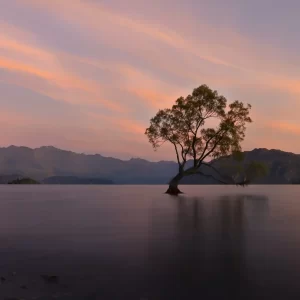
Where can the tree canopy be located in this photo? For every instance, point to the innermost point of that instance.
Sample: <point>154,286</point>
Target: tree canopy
<point>183,126</point>
<point>187,126</point>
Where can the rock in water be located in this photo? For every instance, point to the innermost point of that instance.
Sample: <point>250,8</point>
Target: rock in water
<point>50,278</point>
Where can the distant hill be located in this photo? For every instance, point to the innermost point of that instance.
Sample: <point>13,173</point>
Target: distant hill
<point>75,180</point>
<point>49,161</point>
<point>4,179</point>
<point>282,167</point>
<point>43,163</point>
<point>24,181</point>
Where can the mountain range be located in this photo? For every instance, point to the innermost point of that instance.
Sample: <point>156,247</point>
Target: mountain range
<point>44,162</point>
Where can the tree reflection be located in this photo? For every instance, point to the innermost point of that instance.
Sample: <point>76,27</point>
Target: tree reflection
<point>200,246</point>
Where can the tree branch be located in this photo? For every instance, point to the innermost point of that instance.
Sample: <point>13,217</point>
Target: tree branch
<point>182,153</point>
<point>211,176</point>
<point>207,143</point>
<point>178,160</point>
<point>242,183</point>
<point>213,168</point>
<point>194,151</point>
<point>210,151</point>
<point>190,128</point>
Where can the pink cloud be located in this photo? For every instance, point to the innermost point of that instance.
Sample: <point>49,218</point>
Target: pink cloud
<point>180,46</point>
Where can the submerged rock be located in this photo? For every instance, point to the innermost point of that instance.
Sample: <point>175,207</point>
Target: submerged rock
<point>50,278</point>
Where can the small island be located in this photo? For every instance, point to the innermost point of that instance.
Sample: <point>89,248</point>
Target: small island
<point>23,181</point>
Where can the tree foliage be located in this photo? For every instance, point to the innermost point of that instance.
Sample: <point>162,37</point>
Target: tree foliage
<point>185,127</point>
<point>241,170</point>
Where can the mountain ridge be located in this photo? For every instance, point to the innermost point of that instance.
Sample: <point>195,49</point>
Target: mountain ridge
<point>48,161</point>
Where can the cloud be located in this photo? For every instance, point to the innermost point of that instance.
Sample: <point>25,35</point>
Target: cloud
<point>96,15</point>
<point>233,51</point>
<point>117,124</point>
<point>285,127</point>
<point>42,64</point>
<point>117,64</point>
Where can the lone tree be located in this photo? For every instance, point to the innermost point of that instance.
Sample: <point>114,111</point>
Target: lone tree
<point>184,127</point>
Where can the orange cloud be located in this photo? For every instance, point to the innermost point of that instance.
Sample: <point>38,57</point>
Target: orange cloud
<point>95,15</point>
<point>154,98</point>
<point>62,80</point>
<point>241,56</point>
<point>20,67</point>
<point>116,123</point>
<point>218,57</point>
<point>136,82</point>
<point>22,57</point>
<point>287,84</point>
<point>13,45</point>
<point>232,49</point>
<point>285,127</point>
<point>11,119</point>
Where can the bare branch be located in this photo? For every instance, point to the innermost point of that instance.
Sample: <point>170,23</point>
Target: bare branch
<point>203,155</point>
<point>212,149</point>
<point>211,176</point>
<point>182,152</point>
<point>194,151</point>
<point>176,150</point>
<point>242,183</point>
<point>213,168</point>
<point>191,130</point>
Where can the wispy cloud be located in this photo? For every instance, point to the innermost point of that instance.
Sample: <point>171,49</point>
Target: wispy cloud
<point>117,64</point>
<point>285,127</point>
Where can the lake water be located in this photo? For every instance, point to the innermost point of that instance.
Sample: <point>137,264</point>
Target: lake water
<point>134,242</point>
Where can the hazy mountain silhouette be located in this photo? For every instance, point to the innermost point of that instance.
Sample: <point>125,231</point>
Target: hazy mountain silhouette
<point>282,167</point>
<point>49,161</point>
<point>44,162</point>
<point>75,180</point>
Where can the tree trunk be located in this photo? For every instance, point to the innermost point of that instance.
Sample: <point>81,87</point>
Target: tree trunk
<point>173,185</point>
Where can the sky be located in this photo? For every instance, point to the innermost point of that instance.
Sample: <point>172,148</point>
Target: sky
<point>87,75</point>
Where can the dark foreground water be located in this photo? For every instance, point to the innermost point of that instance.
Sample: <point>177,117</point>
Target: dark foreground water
<point>134,242</point>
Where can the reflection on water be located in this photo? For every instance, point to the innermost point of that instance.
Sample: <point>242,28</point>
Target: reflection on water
<point>136,243</point>
<point>205,249</point>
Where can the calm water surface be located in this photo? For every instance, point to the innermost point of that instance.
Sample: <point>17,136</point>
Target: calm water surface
<point>134,242</point>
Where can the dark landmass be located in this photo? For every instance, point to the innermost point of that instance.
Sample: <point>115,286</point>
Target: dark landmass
<point>47,162</point>
<point>5,179</point>
<point>75,180</point>
<point>24,181</point>
<point>52,165</point>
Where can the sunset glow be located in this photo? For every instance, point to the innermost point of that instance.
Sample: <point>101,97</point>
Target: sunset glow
<point>88,75</point>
